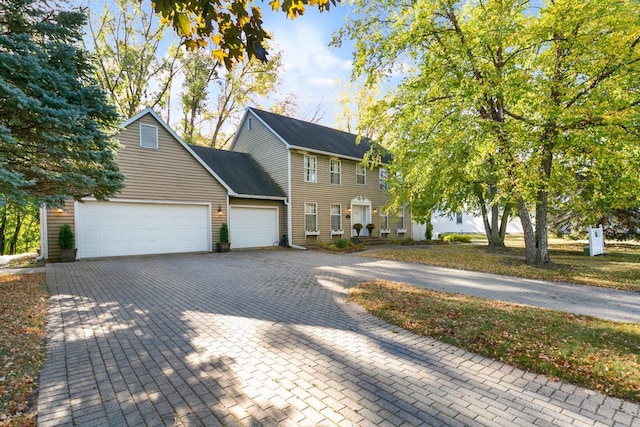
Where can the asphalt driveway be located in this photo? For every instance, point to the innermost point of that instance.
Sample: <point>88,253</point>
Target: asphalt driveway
<point>266,338</point>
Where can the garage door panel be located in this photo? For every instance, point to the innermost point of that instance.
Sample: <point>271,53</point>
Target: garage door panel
<point>118,228</point>
<point>251,227</point>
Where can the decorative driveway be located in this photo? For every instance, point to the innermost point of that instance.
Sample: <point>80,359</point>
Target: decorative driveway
<point>266,338</point>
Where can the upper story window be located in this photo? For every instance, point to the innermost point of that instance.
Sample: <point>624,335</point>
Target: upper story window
<point>458,218</point>
<point>249,124</point>
<point>310,168</point>
<point>383,176</point>
<point>336,171</point>
<point>361,174</point>
<point>148,136</point>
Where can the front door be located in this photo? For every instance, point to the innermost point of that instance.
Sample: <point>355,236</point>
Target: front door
<point>359,214</point>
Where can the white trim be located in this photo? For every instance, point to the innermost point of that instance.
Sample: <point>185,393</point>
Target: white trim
<point>400,231</point>
<point>341,230</point>
<point>332,172</point>
<point>360,201</point>
<point>249,196</point>
<point>44,233</point>
<point>305,168</point>
<point>337,233</point>
<point>385,231</point>
<point>326,153</point>
<point>177,138</point>
<point>317,229</point>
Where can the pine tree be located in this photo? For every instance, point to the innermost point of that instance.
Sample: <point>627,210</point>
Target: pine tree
<point>56,126</point>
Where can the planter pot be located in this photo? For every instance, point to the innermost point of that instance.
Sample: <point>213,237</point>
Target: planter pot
<point>68,255</point>
<point>223,247</point>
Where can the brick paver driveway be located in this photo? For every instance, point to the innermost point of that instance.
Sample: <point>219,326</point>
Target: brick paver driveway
<point>266,338</point>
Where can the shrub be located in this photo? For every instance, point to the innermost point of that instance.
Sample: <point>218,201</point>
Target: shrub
<point>455,237</point>
<point>428,234</point>
<point>408,241</point>
<point>342,243</point>
<point>224,233</point>
<point>393,241</point>
<point>66,239</point>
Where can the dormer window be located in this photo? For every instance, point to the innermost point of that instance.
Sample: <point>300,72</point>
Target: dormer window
<point>149,136</point>
<point>310,168</point>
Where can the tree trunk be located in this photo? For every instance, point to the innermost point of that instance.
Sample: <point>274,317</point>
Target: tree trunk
<point>3,227</point>
<point>542,240</point>
<point>527,228</point>
<point>14,238</point>
<point>497,238</point>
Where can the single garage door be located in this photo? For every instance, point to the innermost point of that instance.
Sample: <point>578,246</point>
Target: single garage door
<point>118,228</point>
<point>252,227</point>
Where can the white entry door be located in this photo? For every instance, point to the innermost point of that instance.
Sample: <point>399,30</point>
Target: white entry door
<point>359,214</point>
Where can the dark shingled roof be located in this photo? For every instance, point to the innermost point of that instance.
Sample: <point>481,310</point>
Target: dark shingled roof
<point>316,137</point>
<point>240,171</point>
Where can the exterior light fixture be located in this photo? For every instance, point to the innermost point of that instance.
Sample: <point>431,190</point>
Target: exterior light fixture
<point>219,210</point>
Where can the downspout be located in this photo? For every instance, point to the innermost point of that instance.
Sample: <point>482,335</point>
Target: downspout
<point>44,238</point>
<point>288,205</point>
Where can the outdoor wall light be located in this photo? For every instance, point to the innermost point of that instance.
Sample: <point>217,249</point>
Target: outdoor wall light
<point>59,210</point>
<point>375,210</point>
<point>219,210</point>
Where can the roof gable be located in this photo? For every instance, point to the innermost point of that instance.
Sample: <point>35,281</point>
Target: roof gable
<point>243,174</point>
<point>305,135</point>
<point>149,111</point>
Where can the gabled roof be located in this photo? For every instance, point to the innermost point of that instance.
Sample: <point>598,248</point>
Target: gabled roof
<point>241,172</point>
<point>313,137</point>
<point>180,141</point>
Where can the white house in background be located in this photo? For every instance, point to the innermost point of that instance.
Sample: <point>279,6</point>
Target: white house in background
<point>463,223</point>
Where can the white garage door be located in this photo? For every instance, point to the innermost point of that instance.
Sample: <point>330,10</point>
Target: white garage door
<point>251,227</point>
<point>118,228</point>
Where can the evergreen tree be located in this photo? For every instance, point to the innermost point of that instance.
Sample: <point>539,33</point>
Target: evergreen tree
<point>55,123</point>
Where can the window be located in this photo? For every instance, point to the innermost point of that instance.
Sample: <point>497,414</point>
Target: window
<point>148,136</point>
<point>249,124</point>
<point>382,177</point>
<point>310,217</point>
<point>384,223</point>
<point>310,168</point>
<point>336,218</point>
<point>400,224</point>
<point>336,168</point>
<point>361,174</point>
<point>458,218</point>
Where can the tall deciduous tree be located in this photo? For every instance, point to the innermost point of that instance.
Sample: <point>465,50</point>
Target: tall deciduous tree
<point>232,91</point>
<point>503,104</point>
<point>133,64</point>
<point>55,122</point>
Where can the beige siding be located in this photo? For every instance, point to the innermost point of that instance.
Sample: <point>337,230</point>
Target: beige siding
<point>282,209</point>
<point>266,148</point>
<point>56,218</point>
<point>324,194</point>
<point>168,173</point>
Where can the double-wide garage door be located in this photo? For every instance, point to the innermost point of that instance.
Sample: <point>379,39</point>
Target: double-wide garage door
<point>119,228</point>
<point>253,227</point>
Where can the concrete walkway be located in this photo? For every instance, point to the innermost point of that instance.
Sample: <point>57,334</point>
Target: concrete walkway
<point>266,338</point>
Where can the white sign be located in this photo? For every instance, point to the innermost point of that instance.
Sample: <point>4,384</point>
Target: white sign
<point>596,241</point>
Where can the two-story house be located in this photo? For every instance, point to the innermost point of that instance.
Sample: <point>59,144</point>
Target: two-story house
<point>321,171</point>
<point>282,177</point>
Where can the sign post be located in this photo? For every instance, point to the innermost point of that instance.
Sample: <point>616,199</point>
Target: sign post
<point>596,241</point>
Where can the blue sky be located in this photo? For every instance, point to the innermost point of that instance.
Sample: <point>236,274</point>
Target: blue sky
<point>316,73</point>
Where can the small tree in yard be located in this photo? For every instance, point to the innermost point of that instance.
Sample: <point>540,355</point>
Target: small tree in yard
<point>66,239</point>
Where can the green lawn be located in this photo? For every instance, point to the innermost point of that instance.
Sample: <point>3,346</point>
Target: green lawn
<point>619,268</point>
<point>585,351</point>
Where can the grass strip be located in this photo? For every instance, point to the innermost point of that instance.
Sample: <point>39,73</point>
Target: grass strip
<point>22,346</point>
<point>582,350</point>
<point>618,269</point>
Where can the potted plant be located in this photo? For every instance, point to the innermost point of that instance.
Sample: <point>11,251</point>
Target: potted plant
<point>67,241</point>
<point>357,226</point>
<point>223,245</point>
<point>370,228</point>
